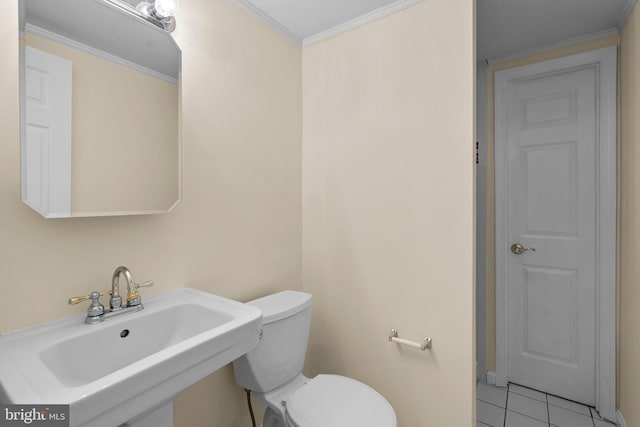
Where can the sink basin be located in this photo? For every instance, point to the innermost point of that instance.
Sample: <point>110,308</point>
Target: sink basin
<point>126,367</point>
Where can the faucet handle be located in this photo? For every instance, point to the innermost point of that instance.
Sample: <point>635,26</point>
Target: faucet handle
<point>133,297</point>
<point>78,300</point>
<point>95,309</point>
<point>147,284</point>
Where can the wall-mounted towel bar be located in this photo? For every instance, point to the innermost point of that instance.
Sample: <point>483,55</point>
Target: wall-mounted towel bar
<point>420,346</point>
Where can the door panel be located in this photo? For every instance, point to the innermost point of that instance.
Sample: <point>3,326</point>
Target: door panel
<point>549,110</point>
<point>549,306</point>
<point>551,167</point>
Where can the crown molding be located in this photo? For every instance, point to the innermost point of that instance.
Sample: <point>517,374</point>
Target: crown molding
<point>29,28</point>
<point>269,20</point>
<point>553,46</point>
<point>626,12</point>
<point>360,20</point>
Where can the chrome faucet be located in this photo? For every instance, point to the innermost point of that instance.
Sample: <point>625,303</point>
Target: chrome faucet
<point>133,296</point>
<point>97,313</point>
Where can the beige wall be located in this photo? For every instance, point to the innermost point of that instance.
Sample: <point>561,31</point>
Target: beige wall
<point>629,220</point>
<point>490,248</point>
<point>388,211</point>
<point>125,146</point>
<point>235,233</point>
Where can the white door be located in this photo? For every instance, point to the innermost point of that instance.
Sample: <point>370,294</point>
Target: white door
<point>553,151</point>
<point>46,133</point>
<point>555,181</point>
<point>551,214</point>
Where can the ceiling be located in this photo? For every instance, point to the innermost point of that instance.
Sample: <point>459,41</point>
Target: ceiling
<point>503,26</point>
<point>508,26</point>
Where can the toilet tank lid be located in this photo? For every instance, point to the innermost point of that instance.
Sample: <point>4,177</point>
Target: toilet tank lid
<point>280,305</point>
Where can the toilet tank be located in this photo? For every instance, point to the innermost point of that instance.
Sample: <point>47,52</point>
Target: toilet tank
<point>280,354</point>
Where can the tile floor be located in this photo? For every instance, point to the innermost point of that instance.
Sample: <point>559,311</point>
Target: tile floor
<point>517,406</point>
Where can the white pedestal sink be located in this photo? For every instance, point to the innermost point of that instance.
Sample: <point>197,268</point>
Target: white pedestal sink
<point>127,369</point>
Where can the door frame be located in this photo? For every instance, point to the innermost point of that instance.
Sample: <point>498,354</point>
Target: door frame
<point>605,62</point>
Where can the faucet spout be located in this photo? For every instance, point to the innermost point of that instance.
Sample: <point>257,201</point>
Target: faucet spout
<point>116,299</point>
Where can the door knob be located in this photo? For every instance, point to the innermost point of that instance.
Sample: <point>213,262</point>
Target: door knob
<point>518,249</point>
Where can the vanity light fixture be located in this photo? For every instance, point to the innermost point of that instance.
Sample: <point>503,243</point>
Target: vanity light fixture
<point>158,12</point>
<point>162,10</point>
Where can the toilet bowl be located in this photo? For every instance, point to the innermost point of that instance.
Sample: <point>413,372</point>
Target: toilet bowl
<point>272,371</point>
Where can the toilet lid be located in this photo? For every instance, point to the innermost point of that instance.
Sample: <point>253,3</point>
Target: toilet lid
<point>336,401</point>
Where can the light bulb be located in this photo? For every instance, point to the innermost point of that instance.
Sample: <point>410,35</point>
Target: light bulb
<point>165,8</point>
<point>144,7</point>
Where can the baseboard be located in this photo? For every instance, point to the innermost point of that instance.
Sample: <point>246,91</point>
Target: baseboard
<point>621,421</point>
<point>481,375</point>
<point>491,378</point>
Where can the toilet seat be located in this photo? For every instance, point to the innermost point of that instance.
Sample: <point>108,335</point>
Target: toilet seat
<point>337,401</point>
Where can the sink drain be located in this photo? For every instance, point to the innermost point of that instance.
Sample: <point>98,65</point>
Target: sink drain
<point>124,333</point>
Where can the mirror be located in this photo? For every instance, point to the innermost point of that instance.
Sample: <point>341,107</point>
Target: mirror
<point>100,110</point>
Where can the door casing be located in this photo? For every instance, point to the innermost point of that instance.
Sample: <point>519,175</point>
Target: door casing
<point>605,62</point>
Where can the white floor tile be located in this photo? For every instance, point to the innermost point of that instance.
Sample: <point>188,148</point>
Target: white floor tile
<point>567,404</point>
<point>564,418</point>
<point>489,414</point>
<point>526,406</point>
<point>490,394</point>
<point>523,391</point>
<point>595,414</point>
<point>603,423</point>
<point>479,424</point>
<point>517,420</point>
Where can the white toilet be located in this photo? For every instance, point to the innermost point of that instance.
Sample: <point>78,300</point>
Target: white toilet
<point>273,372</point>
